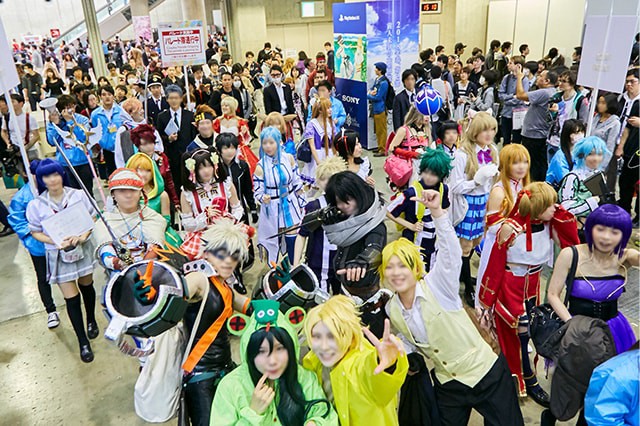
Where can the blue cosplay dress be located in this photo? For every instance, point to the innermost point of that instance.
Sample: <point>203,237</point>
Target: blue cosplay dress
<point>281,182</point>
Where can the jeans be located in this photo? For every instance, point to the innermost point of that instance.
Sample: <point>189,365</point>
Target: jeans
<point>44,288</point>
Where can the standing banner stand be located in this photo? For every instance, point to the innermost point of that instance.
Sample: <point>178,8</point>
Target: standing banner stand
<point>8,80</point>
<point>366,33</point>
<point>182,44</point>
<point>605,59</point>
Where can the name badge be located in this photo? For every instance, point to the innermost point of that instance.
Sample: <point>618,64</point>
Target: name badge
<point>112,128</point>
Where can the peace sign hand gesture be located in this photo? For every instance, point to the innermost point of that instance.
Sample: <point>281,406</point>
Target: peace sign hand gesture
<point>389,348</point>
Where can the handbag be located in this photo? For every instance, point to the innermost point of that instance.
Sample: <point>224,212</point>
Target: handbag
<point>303,151</point>
<point>544,323</point>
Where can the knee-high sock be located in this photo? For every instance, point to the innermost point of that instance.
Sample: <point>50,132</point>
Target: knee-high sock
<point>89,298</point>
<point>75,315</point>
<point>290,240</point>
<point>465,273</point>
<point>527,372</point>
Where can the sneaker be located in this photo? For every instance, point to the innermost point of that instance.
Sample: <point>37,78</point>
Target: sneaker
<point>53,320</point>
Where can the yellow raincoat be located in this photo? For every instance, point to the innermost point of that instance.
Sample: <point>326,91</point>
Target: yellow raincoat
<point>360,397</point>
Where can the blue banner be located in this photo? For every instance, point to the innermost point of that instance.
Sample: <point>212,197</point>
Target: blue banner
<point>353,95</point>
<point>349,18</point>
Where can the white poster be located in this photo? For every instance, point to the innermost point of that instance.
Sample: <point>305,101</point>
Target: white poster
<point>182,43</point>
<point>605,66</point>
<point>8,74</point>
<point>73,221</point>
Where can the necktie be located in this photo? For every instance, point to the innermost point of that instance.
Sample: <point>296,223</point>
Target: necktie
<point>484,156</point>
<point>412,98</point>
<point>175,119</point>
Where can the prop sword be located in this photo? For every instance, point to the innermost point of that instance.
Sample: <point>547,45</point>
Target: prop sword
<point>122,251</point>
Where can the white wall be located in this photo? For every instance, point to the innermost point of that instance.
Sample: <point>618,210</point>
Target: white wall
<point>38,16</point>
<point>542,24</point>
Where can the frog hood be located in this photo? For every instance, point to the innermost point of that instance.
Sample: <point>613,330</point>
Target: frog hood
<point>266,314</point>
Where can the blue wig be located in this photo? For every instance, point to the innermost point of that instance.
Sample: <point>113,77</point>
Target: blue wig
<point>282,181</point>
<point>587,146</point>
<point>48,167</point>
<point>612,216</point>
<point>270,133</point>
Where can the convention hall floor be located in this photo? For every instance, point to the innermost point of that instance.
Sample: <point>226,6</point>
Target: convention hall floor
<point>44,381</point>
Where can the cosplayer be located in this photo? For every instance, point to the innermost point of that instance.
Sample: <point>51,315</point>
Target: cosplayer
<point>449,137</point>
<point>18,221</point>
<point>573,194</point>
<point>562,162</point>
<point>318,134</point>
<point>405,149</point>
<point>132,117</point>
<point>511,282</point>
<point>599,280</point>
<point>144,139</point>
<point>601,275</point>
<point>277,188</point>
<point>231,123</point>
<point>475,165</point>
<point>319,253</point>
<point>154,194</point>
<point>70,265</point>
<point>361,378</point>
<point>138,227</point>
<point>269,387</point>
<point>277,120</point>
<point>468,374</point>
<point>203,121</point>
<point>226,145</point>
<point>513,176</point>
<point>207,193</point>
<point>360,234</point>
<point>416,222</point>
<point>349,149</point>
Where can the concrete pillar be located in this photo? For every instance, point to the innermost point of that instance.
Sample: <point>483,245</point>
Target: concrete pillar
<point>139,7</point>
<point>95,38</point>
<point>247,26</point>
<point>195,10</point>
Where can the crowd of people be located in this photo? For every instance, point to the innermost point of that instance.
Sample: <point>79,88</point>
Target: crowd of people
<point>246,160</point>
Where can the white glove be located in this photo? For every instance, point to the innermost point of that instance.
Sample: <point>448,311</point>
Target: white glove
<point>485,174</point>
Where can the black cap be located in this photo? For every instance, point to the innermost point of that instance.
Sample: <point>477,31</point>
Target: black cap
<point>460,46</point>
<point>155,80</point>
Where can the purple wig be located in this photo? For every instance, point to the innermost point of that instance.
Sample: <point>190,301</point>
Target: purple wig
<point>48,167</point>
<point>611,216</point>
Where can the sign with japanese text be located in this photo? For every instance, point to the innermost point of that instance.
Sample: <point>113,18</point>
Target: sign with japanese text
<point>182,43</point>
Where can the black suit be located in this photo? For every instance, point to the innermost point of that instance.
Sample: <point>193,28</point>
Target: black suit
<point>216,97</point>
<point>272,100</point>
<point>401,105</point>
<point>174,150</point>
<point>153,110</point>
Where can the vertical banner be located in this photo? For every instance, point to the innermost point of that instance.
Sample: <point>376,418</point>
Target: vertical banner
<point>142,28</point>
<point>350,46</point>
<point>182,43</point>
<point>366,33</point>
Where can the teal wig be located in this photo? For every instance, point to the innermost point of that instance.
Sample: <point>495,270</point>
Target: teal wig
<point>588,146</point>
<point>437,162</point>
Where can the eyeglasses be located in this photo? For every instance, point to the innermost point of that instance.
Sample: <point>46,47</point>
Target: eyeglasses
<point>276,75</point>
<point>632,81</point>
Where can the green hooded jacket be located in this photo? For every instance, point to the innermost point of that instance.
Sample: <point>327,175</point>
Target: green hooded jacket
<point>231,404</point>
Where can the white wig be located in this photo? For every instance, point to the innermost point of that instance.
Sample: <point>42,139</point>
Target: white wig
<point>227,235</point>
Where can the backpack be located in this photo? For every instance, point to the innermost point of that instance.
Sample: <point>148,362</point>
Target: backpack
<point>391,95</point>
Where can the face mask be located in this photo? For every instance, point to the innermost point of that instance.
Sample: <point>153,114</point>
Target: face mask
<point>481,80</point>
<point>277,80</point>
<point>132,81</point>
<point>237,84</point>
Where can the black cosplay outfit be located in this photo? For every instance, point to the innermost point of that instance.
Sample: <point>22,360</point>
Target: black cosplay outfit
<point>360,240</point>
<point>212,335</point>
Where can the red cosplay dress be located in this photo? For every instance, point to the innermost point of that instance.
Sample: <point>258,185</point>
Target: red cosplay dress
<point>512,276</point>
<point>244,137</point>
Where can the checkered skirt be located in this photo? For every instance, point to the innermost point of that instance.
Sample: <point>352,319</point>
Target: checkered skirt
<point>472,226</point>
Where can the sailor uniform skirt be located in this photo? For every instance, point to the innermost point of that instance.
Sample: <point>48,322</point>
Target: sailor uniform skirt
<point>59,271</point>
<point>472,226</point>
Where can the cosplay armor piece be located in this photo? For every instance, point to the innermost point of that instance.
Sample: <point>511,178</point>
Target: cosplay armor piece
<point>129,315</point>
<point>296,288</point>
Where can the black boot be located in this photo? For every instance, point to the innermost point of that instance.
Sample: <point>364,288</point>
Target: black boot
<point>535,391</point>
<point>547,419</point>
<point>86,354</point>
<point>469,282</point>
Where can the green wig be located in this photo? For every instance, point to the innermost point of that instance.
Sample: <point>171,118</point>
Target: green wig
<point>437,162</point>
